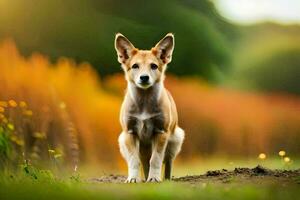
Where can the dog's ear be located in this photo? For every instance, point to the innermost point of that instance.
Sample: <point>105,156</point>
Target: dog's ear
<point>124,48</point>
<point>164,48</point>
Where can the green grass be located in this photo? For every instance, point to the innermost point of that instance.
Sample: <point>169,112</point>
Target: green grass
<point>32,183</point>
<point>35,189</point>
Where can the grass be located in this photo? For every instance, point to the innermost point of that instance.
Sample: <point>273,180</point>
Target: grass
<point>31,183</point>
<point>70,189</point>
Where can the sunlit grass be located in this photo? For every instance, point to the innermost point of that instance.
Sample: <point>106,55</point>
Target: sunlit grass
<point>43,185</point>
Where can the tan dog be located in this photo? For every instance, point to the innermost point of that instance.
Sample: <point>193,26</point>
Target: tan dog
<point>148,116</point>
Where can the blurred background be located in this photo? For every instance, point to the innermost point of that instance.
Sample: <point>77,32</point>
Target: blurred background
<point>234,76</point>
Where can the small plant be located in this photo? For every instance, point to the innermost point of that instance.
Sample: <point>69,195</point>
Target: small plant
<point>36,174</point>
<point>29,170</point>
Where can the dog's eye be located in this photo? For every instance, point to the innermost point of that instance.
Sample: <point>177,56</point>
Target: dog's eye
<point>135,66</point>
<point>153,66</point>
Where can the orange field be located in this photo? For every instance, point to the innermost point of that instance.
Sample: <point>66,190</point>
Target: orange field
<point>66,107</point>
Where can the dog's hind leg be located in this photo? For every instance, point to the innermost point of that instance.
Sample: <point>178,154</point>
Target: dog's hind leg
<point>129,148</point>
<point>146,166</point>
<point>168,168</point>
<point>173,148</point>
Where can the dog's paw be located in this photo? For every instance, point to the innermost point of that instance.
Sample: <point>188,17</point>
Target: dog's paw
<point>132,180</point>
<point>153,180</point>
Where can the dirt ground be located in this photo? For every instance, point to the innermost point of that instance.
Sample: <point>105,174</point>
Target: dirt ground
<point>257,175</point>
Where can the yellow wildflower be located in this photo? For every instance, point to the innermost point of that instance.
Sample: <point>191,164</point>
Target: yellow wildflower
<point>287,159</point>
<point>262,156</point>
<point>3,103</point>
<point>51,151</point>
<point>10,126</point>
<point>39,135</point>
<point>23,104</point>
<point>12,103</point>
<point>281,153</point>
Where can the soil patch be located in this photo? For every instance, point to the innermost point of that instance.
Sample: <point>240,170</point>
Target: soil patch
<point>256,175</point>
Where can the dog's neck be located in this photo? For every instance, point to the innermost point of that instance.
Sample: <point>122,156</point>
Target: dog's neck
<point>144,98</point>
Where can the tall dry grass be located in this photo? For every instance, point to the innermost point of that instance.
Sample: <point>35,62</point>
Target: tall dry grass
<point>67,102</point>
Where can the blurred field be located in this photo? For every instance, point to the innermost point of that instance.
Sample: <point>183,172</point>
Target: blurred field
<point>64,108</point>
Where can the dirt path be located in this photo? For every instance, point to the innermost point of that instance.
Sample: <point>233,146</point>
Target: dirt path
<point>257,175</point>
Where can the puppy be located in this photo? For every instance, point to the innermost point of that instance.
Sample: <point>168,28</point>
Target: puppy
<point>151,135</point>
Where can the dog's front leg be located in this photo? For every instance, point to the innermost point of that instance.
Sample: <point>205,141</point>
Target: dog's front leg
<point>158,152</point>
<point>129,147</point>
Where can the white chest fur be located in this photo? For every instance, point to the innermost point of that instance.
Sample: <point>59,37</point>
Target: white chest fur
<point>145,116</point>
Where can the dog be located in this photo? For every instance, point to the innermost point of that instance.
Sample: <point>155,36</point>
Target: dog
<point>151,135</point>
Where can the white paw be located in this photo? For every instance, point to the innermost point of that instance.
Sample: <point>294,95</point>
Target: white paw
<point>133,180</point>
<point>153,179</point>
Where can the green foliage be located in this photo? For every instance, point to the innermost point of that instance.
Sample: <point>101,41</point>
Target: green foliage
<point>29,171</point>
<point>279,72</point>
<point>5,145</point>
<point>84,30</point>
<point>267,58</point>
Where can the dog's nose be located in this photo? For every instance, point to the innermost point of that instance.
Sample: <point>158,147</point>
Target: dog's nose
<point>144,78</point>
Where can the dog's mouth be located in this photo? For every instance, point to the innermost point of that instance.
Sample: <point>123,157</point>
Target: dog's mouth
<point>144,85</point>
